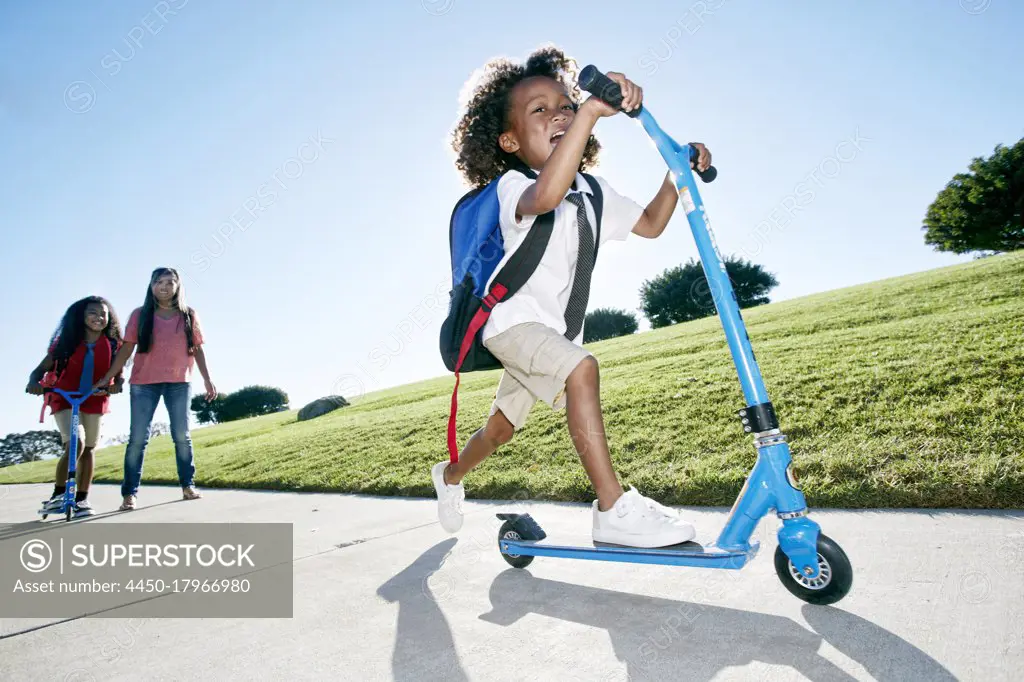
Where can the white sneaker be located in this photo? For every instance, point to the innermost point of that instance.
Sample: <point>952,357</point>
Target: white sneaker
<point>449,499</point>
<point>638,521</point>
<point>52,505</point>
<point>83,508</point>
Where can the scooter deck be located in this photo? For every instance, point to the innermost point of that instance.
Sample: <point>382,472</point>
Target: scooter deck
<point>529,539</point>
<point>686,554</point>
<point>56,512</point>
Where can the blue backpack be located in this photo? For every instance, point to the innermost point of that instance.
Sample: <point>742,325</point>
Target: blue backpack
<point>477,247</point>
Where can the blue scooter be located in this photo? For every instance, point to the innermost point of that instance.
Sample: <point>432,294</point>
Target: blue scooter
<point>810,565</point>
<point>67,505</point>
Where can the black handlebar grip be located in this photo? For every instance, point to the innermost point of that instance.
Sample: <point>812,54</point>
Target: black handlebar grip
<point>707,176</point>
<point>604,88</point>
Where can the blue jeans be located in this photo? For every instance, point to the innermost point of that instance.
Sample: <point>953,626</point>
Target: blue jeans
<point>144,399</point>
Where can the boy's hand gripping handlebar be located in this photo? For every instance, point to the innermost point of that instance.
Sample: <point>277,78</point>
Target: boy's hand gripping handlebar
<point>601,86</point>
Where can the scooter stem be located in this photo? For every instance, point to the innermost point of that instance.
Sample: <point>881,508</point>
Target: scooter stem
<point>769,484</point>
<point>678,159</point>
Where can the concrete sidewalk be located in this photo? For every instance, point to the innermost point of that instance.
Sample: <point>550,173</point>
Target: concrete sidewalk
<point>381,592</point>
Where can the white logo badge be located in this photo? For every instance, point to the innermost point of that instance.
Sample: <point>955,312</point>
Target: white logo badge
<point>36,556</point>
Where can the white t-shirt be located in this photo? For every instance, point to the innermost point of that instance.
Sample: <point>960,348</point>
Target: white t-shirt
<point>545,295</point>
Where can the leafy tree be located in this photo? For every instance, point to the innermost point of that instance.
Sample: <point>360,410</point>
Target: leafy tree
<point>982,210</point>
<point>682,293</point>
<point>206,410</point>
<point>251,401</point>
<point>608,323</point>
<point>30,446</point>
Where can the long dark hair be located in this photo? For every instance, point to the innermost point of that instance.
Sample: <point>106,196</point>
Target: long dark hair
<point>149,310</point>
<point>71,331</point>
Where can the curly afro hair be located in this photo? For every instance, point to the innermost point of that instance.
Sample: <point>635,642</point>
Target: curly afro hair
<point>475,139</point>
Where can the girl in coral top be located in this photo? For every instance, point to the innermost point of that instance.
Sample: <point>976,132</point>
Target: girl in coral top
<point>167,339</point>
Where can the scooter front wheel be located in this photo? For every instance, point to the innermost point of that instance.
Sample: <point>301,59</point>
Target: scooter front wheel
<point>508,532</point>
<point>834,579</point>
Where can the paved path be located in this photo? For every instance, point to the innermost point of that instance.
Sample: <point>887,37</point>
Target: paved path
<point>381,592</point>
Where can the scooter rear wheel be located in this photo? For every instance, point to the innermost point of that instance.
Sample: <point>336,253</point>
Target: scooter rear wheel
<point>835,575</point>
<point>508,532</point>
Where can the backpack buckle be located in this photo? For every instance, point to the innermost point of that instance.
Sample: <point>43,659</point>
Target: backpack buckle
<point>490,301</point>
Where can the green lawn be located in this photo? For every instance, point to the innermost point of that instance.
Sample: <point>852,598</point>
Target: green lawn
<point>902,393</point>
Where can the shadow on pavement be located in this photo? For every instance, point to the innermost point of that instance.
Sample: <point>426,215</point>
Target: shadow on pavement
<point>424,646</point>
<point>884,655</point>
<point>660,639</point>
<point>57,521</point>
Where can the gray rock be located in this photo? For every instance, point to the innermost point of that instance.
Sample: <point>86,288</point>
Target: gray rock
<point>321,406</point>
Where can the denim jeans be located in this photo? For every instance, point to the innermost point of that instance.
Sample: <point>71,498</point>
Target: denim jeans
<point>144,399</point>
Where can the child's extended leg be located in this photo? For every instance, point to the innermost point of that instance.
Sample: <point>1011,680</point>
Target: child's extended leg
<point>619,518</point>
<point>447,477</point>
<point>84,471</point>
<point>61,479</point>
<point>83,481</point>
<point>512,403</point>
<point>496,432</point>
<point>60,483</point>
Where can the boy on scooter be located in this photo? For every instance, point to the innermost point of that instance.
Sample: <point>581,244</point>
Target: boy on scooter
<point>529,117</point>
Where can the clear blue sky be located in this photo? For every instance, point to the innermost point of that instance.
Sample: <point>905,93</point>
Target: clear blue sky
<point>132,134</point>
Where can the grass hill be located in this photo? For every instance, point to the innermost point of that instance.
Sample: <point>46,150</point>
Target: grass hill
<point>904,392</point>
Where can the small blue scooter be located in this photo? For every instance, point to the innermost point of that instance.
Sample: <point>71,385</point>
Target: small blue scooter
<point>75,399</point>
<point>810,565</point>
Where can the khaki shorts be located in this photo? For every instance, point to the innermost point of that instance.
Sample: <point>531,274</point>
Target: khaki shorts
<point>537,362</point>
<point>88,427</point>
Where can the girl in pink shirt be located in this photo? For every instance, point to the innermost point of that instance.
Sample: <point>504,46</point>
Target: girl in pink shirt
<point>169,341</point>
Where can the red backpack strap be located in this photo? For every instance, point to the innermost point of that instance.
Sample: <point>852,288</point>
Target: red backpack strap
<point>475,325</point>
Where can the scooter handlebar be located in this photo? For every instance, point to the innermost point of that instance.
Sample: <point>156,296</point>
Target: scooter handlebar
<point>601,86</point>
<point>69,394</point>
<point>604,88</point>
<point>707,176</point>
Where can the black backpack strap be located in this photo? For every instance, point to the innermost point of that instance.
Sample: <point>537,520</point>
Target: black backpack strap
<point>514,274</point>
<point>524,261</point>
<point>598,202</point>
<point>527,257</point>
